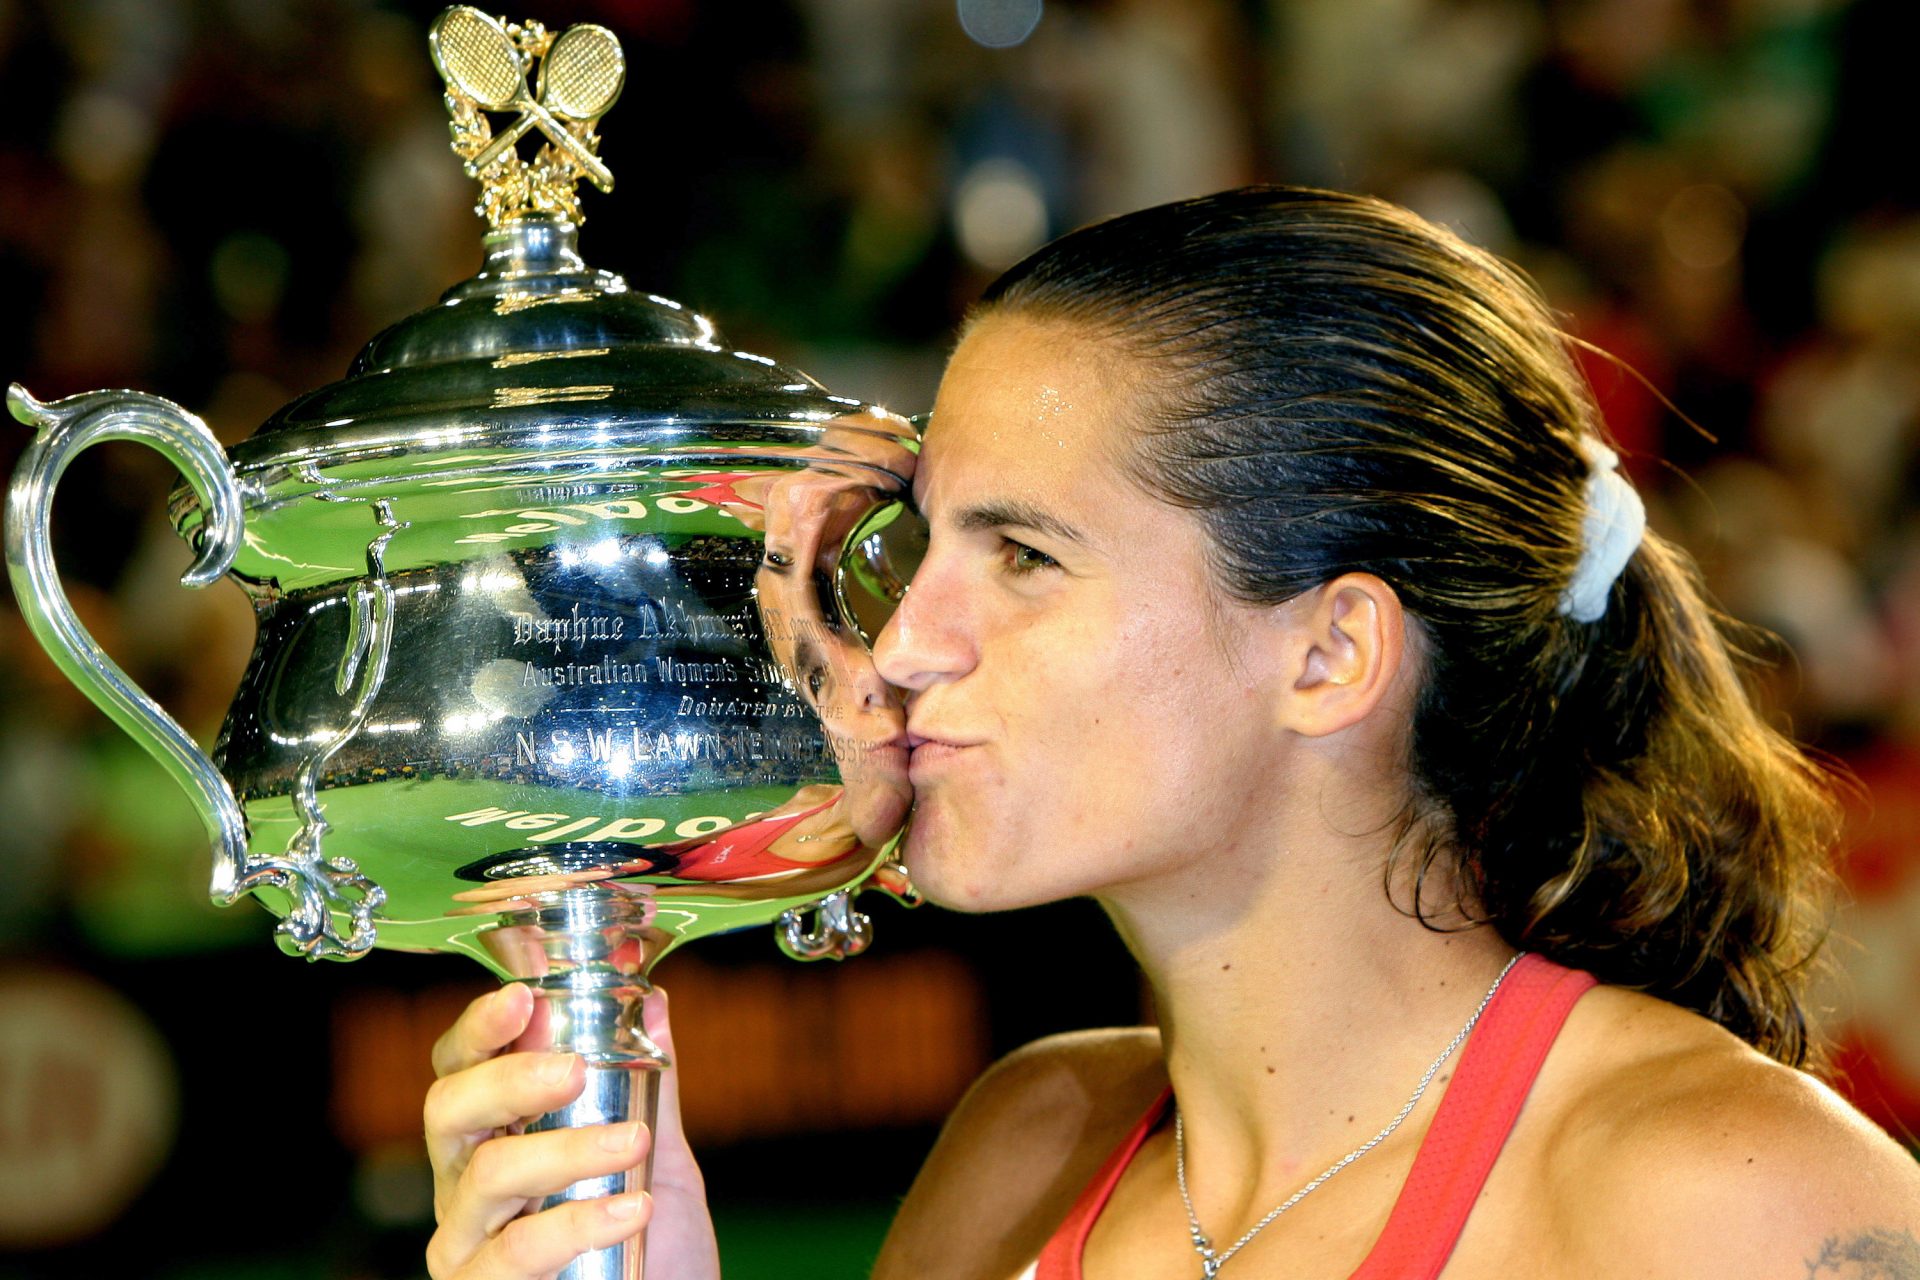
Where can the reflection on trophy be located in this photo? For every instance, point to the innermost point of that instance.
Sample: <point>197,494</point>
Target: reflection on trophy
<point>563,610</point>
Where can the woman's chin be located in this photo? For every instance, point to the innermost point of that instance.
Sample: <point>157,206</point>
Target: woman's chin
<point>877,809</point>
<point>951,876</point>
<point>962,900</point>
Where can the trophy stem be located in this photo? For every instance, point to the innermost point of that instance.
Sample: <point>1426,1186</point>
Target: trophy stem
<point>581,951</point>
<point>615,1091</point>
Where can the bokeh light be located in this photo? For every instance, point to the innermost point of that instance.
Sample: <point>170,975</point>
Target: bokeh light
<point>1000,24</point>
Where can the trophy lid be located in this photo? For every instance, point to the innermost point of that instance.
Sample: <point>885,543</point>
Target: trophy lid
<point>539,346</point>
<point>538,349</point>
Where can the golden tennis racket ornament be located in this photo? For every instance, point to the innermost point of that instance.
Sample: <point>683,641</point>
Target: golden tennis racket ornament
<point>485,63</point>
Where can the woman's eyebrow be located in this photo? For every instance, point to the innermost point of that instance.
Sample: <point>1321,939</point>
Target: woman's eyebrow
<point>1002,512</point>
<point>807,659</point>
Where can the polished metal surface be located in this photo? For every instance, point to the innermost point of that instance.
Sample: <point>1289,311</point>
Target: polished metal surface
<point>563,609</point>
<point>614,1092</point>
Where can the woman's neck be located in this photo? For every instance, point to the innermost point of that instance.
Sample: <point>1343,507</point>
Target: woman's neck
<point>1298,1005</point>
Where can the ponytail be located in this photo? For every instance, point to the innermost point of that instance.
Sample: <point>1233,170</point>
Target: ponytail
<point>1688,839</point>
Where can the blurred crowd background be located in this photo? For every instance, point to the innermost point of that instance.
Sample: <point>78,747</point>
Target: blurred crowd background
<point>220,200</point>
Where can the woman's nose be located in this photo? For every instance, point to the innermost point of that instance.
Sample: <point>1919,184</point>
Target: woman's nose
<point>925,640</point>
<point>871,692</point>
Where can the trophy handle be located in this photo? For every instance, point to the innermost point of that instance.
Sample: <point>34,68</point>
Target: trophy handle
<point>838,930</point>
<point>63,429</point>
<point>314,887</point>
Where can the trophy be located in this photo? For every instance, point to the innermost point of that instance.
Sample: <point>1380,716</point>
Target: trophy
<point>563,613</point>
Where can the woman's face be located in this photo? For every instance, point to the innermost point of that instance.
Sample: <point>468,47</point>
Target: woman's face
<point>1080,710</point>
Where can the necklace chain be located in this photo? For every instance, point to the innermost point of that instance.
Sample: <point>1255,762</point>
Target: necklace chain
<point>1212,1260</point>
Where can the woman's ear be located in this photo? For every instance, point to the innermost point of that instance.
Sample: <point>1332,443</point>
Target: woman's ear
<point>1341,649</point>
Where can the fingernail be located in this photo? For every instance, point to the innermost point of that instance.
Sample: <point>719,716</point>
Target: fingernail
<point>557,1071</point>
<point>626,1207</point>
<point>620,1137</point>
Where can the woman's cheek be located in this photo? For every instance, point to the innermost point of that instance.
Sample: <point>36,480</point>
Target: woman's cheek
<point>879,809</point>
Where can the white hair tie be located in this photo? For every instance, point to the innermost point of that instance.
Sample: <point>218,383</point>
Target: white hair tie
<point>1610,531</point>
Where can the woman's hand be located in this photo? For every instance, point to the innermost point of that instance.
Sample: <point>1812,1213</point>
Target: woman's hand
<point>487,1176</point>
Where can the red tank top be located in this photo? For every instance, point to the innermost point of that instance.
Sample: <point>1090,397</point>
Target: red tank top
<point>717,488</point>
<point>745,852</point>
<point>1497,1068</point>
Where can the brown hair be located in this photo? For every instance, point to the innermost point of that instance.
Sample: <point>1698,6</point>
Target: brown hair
<point>1351,388</point>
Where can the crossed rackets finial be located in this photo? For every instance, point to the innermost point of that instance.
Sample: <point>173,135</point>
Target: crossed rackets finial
<point>485,65</point>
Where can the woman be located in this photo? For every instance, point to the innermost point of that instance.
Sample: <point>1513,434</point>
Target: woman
<point>1282,597</point>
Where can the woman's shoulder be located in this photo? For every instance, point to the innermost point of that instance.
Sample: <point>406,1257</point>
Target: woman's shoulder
<point>1015,1154</point>
<point>1670,1147</point>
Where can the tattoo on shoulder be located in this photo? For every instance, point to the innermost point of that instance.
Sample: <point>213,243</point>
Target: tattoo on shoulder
<point>1877,1254</point>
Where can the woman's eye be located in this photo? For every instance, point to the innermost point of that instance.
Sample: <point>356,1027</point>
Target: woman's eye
<point>1022,558</point>
<point>816,681</point>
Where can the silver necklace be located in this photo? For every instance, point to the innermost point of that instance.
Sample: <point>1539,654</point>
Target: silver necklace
<point>1210,1260</point>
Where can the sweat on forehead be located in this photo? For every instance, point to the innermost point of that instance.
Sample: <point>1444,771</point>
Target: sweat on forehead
<point>1047,383</point>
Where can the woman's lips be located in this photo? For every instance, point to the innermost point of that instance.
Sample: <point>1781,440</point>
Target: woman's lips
<point>928,753</point>
<point>875,761</point>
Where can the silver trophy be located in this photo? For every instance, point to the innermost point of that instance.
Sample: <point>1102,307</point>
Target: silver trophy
<point>563,616</point>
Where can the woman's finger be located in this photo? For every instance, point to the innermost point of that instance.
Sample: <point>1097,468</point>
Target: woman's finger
<point>508,1174</point>
<point>681,1239</point>
<point>653,1016</point>
<point>542,1243</point>
<point>673,1163</point>
<point>538,1035</point>
<point>487,1026</point>
<point>466,1108</point>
